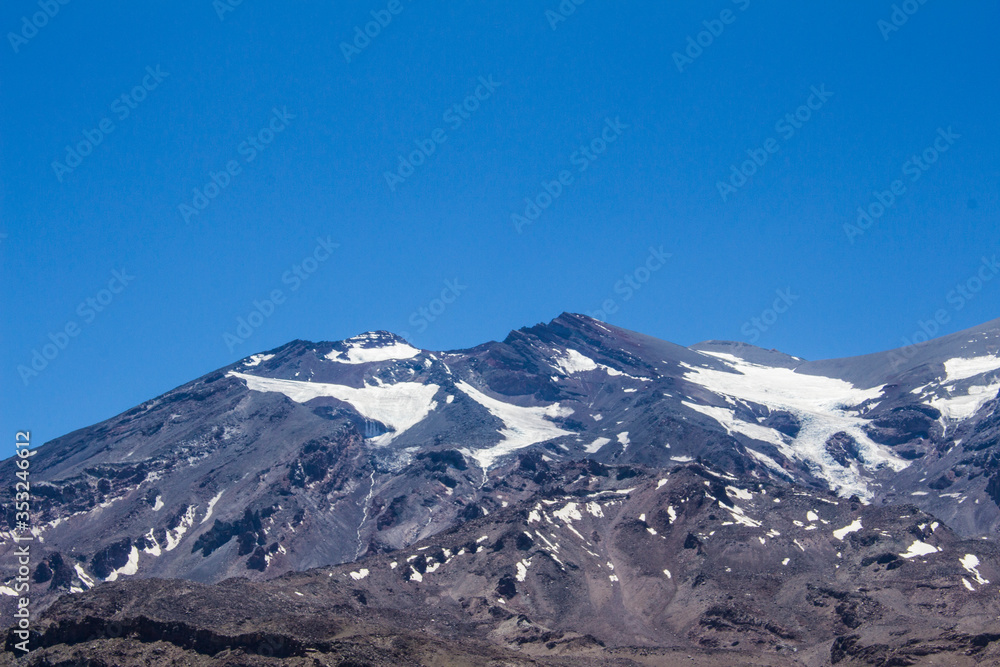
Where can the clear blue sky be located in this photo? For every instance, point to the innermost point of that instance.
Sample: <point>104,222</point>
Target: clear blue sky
<point>674,128</point>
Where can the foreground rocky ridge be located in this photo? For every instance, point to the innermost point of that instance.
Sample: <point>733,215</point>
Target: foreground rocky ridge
<point>606,565</point>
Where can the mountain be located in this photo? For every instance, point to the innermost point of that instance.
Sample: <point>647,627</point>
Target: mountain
<point>632,496</point>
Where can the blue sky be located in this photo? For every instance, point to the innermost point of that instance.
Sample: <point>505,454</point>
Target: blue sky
<point>221,154</point>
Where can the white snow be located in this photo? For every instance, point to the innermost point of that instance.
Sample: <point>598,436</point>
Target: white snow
<point>820,403</point>
<point>155,549</point>
<point>596,445</point>
<point>256,359</point>
<point>667,572</point>
<point>854,527</point>
<point>963,406</point>
<point>672,513</point>
<point>7,590</point>
<point>398,406</point>
<point>129,568</point>
<point>87,581</point>
<point>623,439</point>
<point>812,516</point>
<point>740,517</point>
<point>740,494</point>
<point>522,426</point>
<point>158,505</point>
<point>595,510</point>
<point>174,536</point>
<point>211,505</point>
<point>962,369</point>
<point>415,575</point>
<point>971,564</point>
<point>568,514</point>
<point>919,548</point>
<point>574,362</point>
<point>522,569</point>
<point>681,459</point>
<point>967,584</point>
<point>727,417</point>
<point>358,354</point>
<point>785,561</point>
<point>360,574</point>
<point>660,483</point>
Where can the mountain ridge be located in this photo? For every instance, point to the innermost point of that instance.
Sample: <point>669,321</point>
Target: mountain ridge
<point>312,455</point>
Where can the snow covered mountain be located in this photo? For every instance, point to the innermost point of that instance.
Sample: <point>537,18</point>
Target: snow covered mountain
<point>317,454</point>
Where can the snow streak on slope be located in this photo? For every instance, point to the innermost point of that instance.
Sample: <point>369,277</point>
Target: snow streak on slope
<point>521,426</point>
<point>821,405</point>
<point>398,406</point>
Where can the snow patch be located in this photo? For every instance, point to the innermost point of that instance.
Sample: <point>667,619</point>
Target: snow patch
<point>256,359</point>
<point>522,569</point>
<point>398,406</point>
<point>963,369</point>
<point>963,406</point>
<point>87,581</point>
<point>358,354</point>
<point>854,527</point>
<point>741,494</point>
<point>174,536</point>
<point>596,445</point>
<point>919,548</point>
<point>568,514</point>
<point>574,362</point>
<point>971,564</point>
<point>360,574</point>
<point>129,568</point>
<point>522,426</point>
<point>211,505</point>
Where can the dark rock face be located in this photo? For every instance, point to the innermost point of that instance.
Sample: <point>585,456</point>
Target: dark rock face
<point>843,448</point>
<point>319,454</point>
<point>784,422</point>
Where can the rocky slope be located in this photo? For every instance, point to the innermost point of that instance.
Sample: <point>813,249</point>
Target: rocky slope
<point>602,565</point>
<point>317,454</point>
